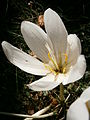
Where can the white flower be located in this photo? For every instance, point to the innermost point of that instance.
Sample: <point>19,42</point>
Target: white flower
<point>80,109</point>
<point>60,59</point>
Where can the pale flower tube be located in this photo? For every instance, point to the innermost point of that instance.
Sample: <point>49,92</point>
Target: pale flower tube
<point>80,109</point>
<point>59,57</point>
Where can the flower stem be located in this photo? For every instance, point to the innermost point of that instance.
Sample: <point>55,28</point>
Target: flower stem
<point>63,105</point>
<point>61,92</point>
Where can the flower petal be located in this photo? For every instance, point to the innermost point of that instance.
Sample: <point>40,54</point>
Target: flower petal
<point>77,71</point>
<point>36,39</point>
<point>22,60</point>
<point>78,111</point>
<point>56,31</point>
<point>46,83</point>
<point>85,96</point>
<point>74,48</point>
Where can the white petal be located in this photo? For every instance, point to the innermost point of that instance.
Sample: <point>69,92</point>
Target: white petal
<point>36,39</point>
<point>22,60</point>
<point>78,111</point>
<point>74,48</point>
<point>56,31</point>
<point>46,83</point>
<point>77,71</point>
<point>85,96</point>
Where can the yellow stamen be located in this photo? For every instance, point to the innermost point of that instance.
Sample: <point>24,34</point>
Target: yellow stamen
<point>49,68</point>
<point>64,70</point>
<point>65,63</point>
<point>66,58</point>
<point>50,58</point>
<point>57,69</point>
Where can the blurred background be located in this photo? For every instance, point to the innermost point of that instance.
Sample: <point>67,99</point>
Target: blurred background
<point>14,96</point>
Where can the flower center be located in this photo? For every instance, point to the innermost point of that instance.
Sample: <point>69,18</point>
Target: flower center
<point>57,68</point>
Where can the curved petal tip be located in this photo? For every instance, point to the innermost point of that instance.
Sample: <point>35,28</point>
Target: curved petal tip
<point>3,43</point>
<point>49,9</point>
